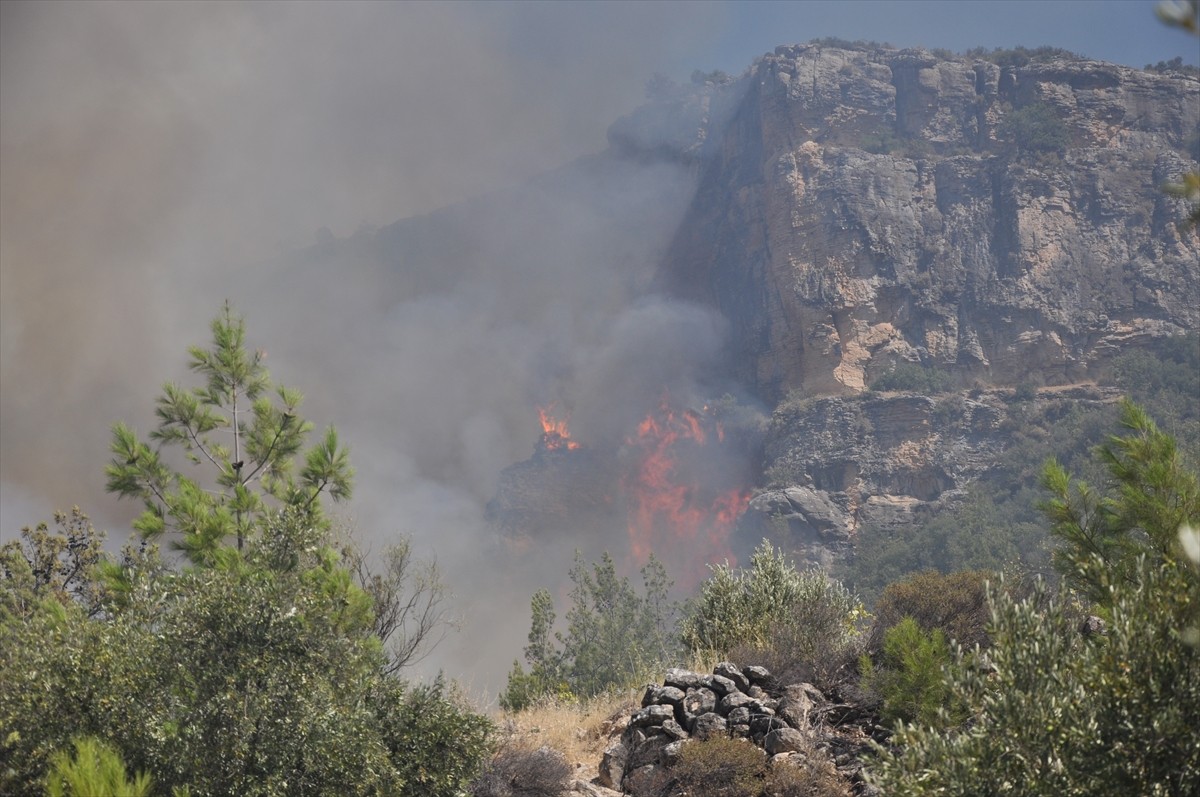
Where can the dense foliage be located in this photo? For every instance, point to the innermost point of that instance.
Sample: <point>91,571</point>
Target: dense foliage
<point>909,678</point>
<point>742,606</point>
<point>955,604</point>
<point>257,667</point>
<point>247,432</point>
<point>1056,711</point>
<point>256,675</point>
<point>916,378</point>
<point>997,526</point>
<point>1021,56</point>
<point>94,768</point>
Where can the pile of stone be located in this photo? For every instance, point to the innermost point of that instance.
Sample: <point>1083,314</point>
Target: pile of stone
<point>791,723</point>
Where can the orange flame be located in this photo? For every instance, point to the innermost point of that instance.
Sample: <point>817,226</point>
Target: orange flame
<point>674,511</point>
<point>555,436</point>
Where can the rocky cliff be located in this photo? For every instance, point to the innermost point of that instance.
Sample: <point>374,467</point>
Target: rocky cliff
<point>863,212</point>
<point>861,208</point>
<point>836,465</point>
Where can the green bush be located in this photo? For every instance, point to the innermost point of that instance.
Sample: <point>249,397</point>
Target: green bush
<point>436,743</point>
<point>1057,712</point>
<point>909,678</point>
<point>915,378</point>
<point>744,606</point>
<point>95,769</point>
<point>1020,56</point>
<point>955,604</point>
<point>882,142</point>
<point>1035,128</point>
<point>258,675</point>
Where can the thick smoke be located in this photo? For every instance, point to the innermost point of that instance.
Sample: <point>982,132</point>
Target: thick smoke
<point>159,159</point>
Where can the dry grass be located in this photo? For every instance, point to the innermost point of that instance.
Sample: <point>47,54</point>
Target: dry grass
<point>580,731</point>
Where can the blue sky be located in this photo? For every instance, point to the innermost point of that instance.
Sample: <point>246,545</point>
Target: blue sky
<point>1122,31</point>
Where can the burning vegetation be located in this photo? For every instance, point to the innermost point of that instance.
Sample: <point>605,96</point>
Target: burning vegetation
<point>555,436</point>
<point>674,485</point>
<point>682,499</point>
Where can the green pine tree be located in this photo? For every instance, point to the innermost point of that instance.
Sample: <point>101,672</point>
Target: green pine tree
<point>245,435</point>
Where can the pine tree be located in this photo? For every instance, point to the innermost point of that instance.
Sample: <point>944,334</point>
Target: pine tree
<point>245,431</point>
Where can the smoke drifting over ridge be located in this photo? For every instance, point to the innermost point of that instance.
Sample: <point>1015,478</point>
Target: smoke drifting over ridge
<point>161,158</point>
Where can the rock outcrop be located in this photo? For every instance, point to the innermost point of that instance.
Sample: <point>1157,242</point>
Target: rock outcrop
<point>836,464</point>
<point>795,725</point>
<point>859,208</point>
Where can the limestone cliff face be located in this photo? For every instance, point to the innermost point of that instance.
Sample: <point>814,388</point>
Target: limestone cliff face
<point>837,464</point>
<point>857,209</point>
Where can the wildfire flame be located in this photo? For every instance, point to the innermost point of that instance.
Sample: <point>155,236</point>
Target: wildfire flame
<point>555,436</point>
<point>679,506</point>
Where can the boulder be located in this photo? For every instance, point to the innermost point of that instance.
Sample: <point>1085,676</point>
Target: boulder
<point>708,725</point>
<point>729,670</point>
<point>785,740</point>
<point>612,765</point>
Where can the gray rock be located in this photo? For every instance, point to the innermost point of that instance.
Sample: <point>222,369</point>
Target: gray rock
<point>785,740</point>
<point>682,679</point>
<point>586,789</point>
<point>709,725</point>
<point>645,781</point>
<point>761,677</point>
<point>631,737</point>
<point>739,716</point>
<point>671,753</point>
<point>652,715</point>
<point>674,730</point>
<point>720,684</point>
<point>762,725</point>
<point>699,700</point>
<point>612,765</point>
<point>795,707</point>
<point>730,671</point>
<point>734,700</point>
<point>648,752</point>
<point>670,695</point>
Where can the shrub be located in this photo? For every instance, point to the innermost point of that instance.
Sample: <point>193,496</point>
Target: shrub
<point>437,743</point>
<point>720,766</point>
<point>814,775</point>
<point>817,641</point>
<point>1058,712</point>
<point>1020,56</point>
<point>1061,714</point>
<point>882,142</point>
<point>955,604</point>
<point>607,617</point>
<point>915,378</point>
<point>745,607</point>
<point>516,772</point>
<point>909,678</point>
<point>1025,391</point>
<point>1035,128</point>
<point>95,769</point>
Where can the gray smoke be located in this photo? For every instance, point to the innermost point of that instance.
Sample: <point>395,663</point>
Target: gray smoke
<point>160,158</point>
